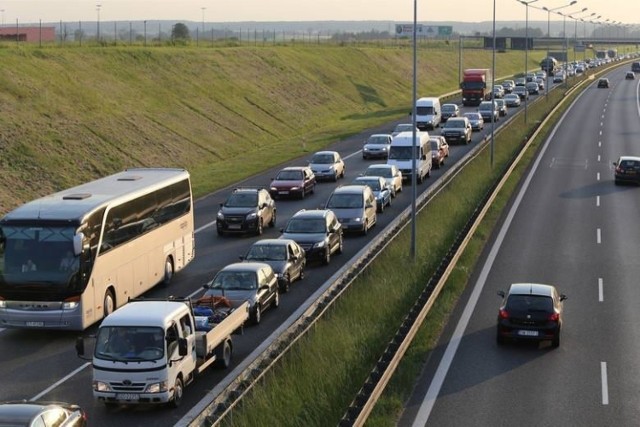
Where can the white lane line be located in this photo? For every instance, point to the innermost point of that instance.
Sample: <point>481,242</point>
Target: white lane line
<point>597,200</point>
<point>600,290</point>
<point>600,131</point>
<point>598,157</point>
<point>599,143</point>
<point>57,383</point>
<point>598,176</point>
<point>605,386</point>
<point>352,154</point>
<point>598,236</point>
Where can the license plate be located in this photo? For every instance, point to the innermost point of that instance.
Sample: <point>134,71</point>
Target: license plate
<point>528,333</point>
<point>283,192</point>
<point>35,324</point>
<point>127,396</point>
<point>234,226</point>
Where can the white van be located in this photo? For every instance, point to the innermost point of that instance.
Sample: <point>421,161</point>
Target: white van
<point>428,113</point>
<point>401,155</point>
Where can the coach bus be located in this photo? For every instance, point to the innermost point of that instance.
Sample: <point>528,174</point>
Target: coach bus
<point>71,258</point>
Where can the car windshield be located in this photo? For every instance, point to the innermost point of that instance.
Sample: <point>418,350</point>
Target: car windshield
<point>289,175</point>
<point>306,225</point>
<point>630,164</point>
<point>383,172</point>
<point>403,128</point>
<point>472,116</point>
<point>529,303</point>
<point>345,201</point>
<point>487,106</point>
<point>374,184</point>
<point>448,108</point>
<point>242,200</point>
<point>378,139</point>
<point>234,280</point>
<point>454,124</point>
<point>434,145</point>
<point>267,253</point>
<point>322,159</point>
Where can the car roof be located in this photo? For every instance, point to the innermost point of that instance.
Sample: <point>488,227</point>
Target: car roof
<point>20,412</point>
<point>449,105</point>
<point>472,113</point>
<point>531,289</point>
<point>294,168</point>
<point>246,266</point>
<point>311,213</point>
<point>279,242</point>
<point>350,189</point>
<point>381,134</point>
<point>326,152</point>
<point>634,158</point>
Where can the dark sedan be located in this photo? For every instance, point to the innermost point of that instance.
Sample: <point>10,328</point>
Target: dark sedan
<point>627,169</point>
<point>285,256</point>
<point>29,414</point>
<point>292,181</point>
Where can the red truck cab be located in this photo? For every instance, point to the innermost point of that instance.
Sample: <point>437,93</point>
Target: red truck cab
<point>476,85</point>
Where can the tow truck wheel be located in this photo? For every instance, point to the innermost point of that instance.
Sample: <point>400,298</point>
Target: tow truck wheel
<point>223,356</point>
<point>178,389</point>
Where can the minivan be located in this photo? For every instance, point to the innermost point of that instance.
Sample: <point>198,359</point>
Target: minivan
<point>428,113</point>
<point>401,154</point>
<point>355,206</point>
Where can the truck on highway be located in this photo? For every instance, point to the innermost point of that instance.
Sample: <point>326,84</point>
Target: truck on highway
<point>147,351</point>
<point>476,85</point>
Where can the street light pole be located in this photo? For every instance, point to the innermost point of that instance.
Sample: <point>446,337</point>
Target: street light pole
<point>203,9</point>
<point>546,86</point>
<point>526,49</point>
<point>414,184</point>
<point>98,6</point>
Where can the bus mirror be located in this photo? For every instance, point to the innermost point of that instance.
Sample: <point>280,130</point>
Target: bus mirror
<point>77,243</point>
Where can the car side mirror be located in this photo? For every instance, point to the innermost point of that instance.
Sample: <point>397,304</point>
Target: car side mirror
<point>501,294</point>
<point>615,164</point>
<point>241,258</point>
<point>563,297</point>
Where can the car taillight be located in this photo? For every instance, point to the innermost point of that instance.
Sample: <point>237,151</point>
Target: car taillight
<point>504,314</point>
<point>554,317</point>
<point>619,169</point>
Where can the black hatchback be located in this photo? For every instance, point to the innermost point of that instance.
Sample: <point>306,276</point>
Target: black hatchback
<point>627,170</point>
<point>530,311</point>
<point>23,413</point>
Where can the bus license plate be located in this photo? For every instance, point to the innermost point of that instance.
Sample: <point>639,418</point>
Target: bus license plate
<point>35,324</point>
<point>528,333</point>
<point>128,396</point>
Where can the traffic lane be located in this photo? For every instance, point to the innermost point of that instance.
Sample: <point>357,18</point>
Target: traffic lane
<point>544,249</point>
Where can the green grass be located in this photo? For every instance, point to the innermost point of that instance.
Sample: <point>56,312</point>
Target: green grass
<point>69,115</point>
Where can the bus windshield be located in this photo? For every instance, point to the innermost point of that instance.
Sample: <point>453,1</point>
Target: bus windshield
<point>34,256</point>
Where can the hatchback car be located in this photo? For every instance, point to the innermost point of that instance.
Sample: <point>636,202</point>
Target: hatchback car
<point>439,150</point>
<point>390,173</point>
<point>630,75</point>
<point>498,91</point>
<point>380,188</point>
<point>457,129</point>
<point>522,92</point>
<point>627,169</point>
<point>254,282</point>
<point>476,120</point>
<point>533,88</point>
<point>293,181</point>
<point>540,83</point>
<point>512,100</point>
<point>521,81</point>
<point>247,209</point>
<point>508,86</point>
<point>327,165</point>
<point>355,206</point>
<point>448,111</point>
<point>285,256</point>
<point>530,311</point>
<point>489,111</point>
<point>41,414</point>
<point>502,107</point>
<point>603,82</point>
<point>403,127</point>
<point>317,231</point>
<point>377,146</point>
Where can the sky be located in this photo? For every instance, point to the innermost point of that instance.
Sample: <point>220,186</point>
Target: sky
<point>32,11</point>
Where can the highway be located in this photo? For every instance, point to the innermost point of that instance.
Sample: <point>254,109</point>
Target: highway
<point>43,365</point>
<point>569,226</point>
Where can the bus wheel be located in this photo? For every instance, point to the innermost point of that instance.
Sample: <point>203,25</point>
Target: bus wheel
<point>109,303</point>
<point>168,272</point>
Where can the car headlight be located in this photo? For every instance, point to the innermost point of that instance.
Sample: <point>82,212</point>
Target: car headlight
<point>160,387</point>
<point>3,304</point>
<point>295,188</point>
<point>101,386</point>
<point>69,305</point>
<point>357,219</point>
<point>319,244</point>
<point>274,188</point>
<point>220,215</point>
<point>252,215</point>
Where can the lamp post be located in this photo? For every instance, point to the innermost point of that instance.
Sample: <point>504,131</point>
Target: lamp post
<point>203,9</point>
<point>2,12</point>
<point>546,86</point>
<point>98,7</point>
<point>526,48</point>
<point>414,188</point>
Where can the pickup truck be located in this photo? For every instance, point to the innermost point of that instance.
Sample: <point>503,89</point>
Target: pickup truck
<point>147,351</point>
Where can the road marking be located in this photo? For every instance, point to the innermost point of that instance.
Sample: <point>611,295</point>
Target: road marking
<point>605,386</point>
<point>57,383</point>
<point>599,236</point>
<point>599,144</point>
<point>597,200</point>
<point>598,157</point>
<point>352,154</point>
<point>600,131</point>
<point>598,176</point>
<point>600,290</point>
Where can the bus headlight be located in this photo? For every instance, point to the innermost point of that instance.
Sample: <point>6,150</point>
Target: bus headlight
<point>160,387</point>
<point>101,386</point>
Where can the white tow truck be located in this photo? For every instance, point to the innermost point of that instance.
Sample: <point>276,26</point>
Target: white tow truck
<point>147,351</point>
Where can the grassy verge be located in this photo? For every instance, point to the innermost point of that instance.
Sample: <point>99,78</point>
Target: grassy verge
<point>315,382</point>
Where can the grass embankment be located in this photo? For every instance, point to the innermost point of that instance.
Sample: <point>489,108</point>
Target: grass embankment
<point>68,115</point>
<point>315,382</point>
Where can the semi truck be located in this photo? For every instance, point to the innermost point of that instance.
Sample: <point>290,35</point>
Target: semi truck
<point>148,351</point>
<point>476,85</point>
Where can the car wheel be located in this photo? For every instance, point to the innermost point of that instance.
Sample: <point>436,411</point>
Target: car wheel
<point>302,193</point>
<point>223,355</point>
<point>500,339</point>
<point>220,233</point>
<point>555,343</point>
<point>259,228</point>
<point>340,246</point>
<point>286,283</point>
<point>257,314</point>
<point>301,274</point>
<point>313,189</point>
<point>342,174</point>
<point>365,229</point>
<point>272,223</point>
<point>327,256</point>
<point>335,177</point>
<point>381,207</point>
<point>178,390</point>
<point>276,299</point>
<point>389,202</point>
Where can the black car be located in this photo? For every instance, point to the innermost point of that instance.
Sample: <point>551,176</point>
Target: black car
<point>627,170</point>
<point>603,82</point>
<point>285,256</point>
<point>247,209</point>
<point>530,311</point>
<point>317,231</point>
<point>45,414</point>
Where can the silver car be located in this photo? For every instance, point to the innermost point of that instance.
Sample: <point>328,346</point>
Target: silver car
<point>377,146</point>
<point>327,165</point>
<point>390,173</point>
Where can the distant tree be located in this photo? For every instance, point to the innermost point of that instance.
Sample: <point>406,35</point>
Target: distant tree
<point>180,32</point>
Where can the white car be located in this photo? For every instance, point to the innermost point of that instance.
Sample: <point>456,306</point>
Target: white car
<point>403,127</point>
<point>327,165</point>
<point>390,173</point>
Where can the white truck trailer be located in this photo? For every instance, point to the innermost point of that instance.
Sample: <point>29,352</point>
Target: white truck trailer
<point>147,351</point>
